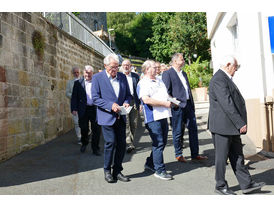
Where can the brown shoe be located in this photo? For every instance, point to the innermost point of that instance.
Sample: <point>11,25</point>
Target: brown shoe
<point>200,157</point>
<point>181,159</point>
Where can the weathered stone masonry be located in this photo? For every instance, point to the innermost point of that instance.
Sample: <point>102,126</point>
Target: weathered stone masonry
<point>33,105</point>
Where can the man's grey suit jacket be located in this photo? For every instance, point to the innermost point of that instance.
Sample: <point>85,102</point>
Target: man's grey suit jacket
<point>227,110</point>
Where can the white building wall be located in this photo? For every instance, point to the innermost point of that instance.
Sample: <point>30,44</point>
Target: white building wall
<point>255,77</point>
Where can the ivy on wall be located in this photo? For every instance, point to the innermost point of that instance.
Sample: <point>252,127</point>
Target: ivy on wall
<point>38,42</point>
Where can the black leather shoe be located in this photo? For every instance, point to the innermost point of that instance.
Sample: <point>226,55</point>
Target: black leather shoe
<point>224,191</point>
<point>121,177</point>
<point>109,178</point>
<point>83,148</point>
<point>96,152</point>
<point>253,187</point>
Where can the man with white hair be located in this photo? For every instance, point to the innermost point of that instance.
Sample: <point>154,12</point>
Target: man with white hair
<point>110,91</point>
<point>227,121</point>
<point>82,105</point>
<point>132,117</point>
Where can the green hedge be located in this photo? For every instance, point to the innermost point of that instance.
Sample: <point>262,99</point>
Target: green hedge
<point>199,73</point>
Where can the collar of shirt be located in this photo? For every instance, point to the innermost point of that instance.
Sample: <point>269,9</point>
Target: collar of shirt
<point>151,80</point>
<point>178,72</point>
<point>128,75</point>
<point>87,81</point>
<point>110,77</point>
<point>229,76</point>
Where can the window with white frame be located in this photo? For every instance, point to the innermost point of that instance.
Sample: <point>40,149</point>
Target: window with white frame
<point>234,29</point>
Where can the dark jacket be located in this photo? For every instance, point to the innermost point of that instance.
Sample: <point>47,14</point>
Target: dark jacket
<point>227,110</point>
<point>135,80</point>
<point>79,97</point>
<point>175,87</point>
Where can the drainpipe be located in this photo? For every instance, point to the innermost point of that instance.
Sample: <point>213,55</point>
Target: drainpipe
<point>270,136</point>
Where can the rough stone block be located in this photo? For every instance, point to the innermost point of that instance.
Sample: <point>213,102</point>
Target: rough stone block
<point>3,114</point>
<point>3,101</point>
<point>23,78</point>
<point>1,40</point>
<point>2,74</point>
<point>27,16</point>
<point>6,16</point>
<point>11,75</point>
<point>36,124</point>
<point>21,36</point>
<point>15,127</point>
<point>35,103</point>
<point>3,128</point>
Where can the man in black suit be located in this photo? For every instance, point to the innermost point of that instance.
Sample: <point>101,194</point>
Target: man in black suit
<point>227,121</point>
<point>177,85</point>
<point>82,104</point>
<point>132,117</point>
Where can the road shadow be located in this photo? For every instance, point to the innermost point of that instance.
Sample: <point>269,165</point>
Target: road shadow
<point>266,176</point>
<point>59,157</point>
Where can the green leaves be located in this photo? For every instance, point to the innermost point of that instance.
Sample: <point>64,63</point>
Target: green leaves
<point>199,73</point>
<point>158,35</point>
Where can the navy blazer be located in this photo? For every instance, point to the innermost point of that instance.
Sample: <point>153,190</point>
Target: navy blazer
<point>227,110</point>
<point>135,80</point>
<point>175,87</point>
<point>79,97</point>
<point>103,96</point>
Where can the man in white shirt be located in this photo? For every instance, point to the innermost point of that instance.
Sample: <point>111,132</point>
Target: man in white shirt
<point>153,94</point>
<point>82,104</point>
<point>76,74</point>
<point>132,117</point>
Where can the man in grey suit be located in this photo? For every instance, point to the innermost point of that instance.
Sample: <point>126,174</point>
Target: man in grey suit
<point>227,121</point>
<point>76,75</point>
<point>132,117</point>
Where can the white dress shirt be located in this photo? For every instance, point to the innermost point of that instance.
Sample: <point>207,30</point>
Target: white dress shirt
<point>130,83</point>
<point>88,85</point>
<point>183,80</point>
<point>115,84</point>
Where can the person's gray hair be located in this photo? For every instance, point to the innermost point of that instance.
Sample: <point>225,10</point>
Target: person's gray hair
<point>227,59</point>
<point>176,56</point>
<point>88,67</point>
<point>74,68</point>
<point>109,57</point>
<point>126,60</point>
<point>148,63</point>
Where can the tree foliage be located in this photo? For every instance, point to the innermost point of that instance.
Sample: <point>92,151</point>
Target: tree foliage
<point>131,32</point>
<point>160,41</point>
<point>159,35</point>
<point>188,33</point>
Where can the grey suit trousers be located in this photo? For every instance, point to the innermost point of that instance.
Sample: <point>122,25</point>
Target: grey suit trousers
<point>230,147</point>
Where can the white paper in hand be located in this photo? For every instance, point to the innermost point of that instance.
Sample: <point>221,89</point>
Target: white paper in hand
<point>124,110</point>
<point>173,100</point>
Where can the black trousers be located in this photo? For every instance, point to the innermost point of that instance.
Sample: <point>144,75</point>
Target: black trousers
<point>230,147</point>
<point>90,116</point>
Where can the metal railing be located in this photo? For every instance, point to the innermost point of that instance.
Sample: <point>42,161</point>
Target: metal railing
<point>76,28</point>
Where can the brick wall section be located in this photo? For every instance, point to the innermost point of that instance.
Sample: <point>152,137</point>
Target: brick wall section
<point>33,105</point>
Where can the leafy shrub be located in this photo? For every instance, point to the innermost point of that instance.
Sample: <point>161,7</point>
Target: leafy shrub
<point>198,73</point>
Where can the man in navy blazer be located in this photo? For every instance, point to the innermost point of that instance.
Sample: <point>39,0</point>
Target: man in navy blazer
<point>132,117</point>
<point>83,105</point>
<point>110,91</point>
<point>177,85</point>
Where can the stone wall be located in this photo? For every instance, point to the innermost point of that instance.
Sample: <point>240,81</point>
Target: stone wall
<point>33,105</point>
